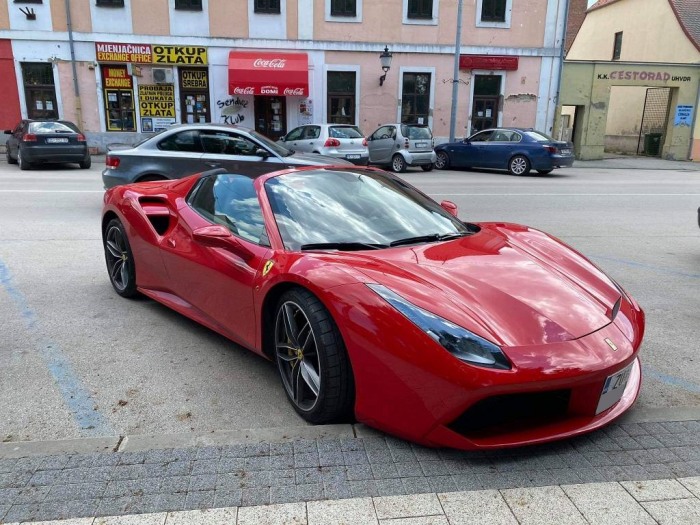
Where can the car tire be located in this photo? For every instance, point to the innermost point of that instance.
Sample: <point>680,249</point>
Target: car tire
<point>311,359</point>
<point>429,167</point>
<point>519,165</point>
<point>443,160</point>
<point>86,163</point>
<point>23,164</point>
<point>398,164</point>
<point>119,259</point>
<point>544,172</point>
<point>10,160</point>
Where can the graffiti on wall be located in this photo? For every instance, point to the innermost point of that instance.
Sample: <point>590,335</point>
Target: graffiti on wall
<point>233,109</point>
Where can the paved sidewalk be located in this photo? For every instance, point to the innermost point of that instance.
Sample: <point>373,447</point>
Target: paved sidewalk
<point>625,162</point>
<point>371,465</point>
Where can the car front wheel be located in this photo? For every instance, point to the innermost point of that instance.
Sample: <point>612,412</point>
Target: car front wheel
<point>120,260</point>
<point>311,358</point>
<point>429,167</point>
<point>519,165</point>
<point>85,164</point>
<point>398,164</point>
<point>443,160</point>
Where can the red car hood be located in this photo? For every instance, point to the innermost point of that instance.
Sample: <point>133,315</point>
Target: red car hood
<point>510,284</point>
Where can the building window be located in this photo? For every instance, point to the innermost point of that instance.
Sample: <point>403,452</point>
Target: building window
<point>109,3</point>
<point>188,5</point>
<point>420,9</point>
<point>28,1</point>
<point>267,7</point>
<point>39,90</point>
<point>617,46</point>
<point>493,10</point>
<point>343,8</point>
<point>341,97</point>
<point>415,98</point>
<point>119,98</point>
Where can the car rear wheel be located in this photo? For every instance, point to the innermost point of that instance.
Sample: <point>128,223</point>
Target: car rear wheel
<point>10,160</point>
<point>519,165</point>
<point>544,172</point>
<point>23,164</point>
<point>120,261</point>
<point>429,167</point>
<point>86,163</point>
<point>443,160</point>
<point>398,164</point>
<point>311,358</point>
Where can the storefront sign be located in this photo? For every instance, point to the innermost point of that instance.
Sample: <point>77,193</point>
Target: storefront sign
<point>113,52</point>
<point>157,100</point>
<point>179,55</point>
<point>491,62</point>
<point>116,78</point>
<point>663,76</point>
<point>272,74</point>
<point>684,116</point>
<point>194,79</point>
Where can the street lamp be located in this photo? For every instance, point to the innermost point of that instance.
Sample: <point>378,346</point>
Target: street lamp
<point>385,58</point>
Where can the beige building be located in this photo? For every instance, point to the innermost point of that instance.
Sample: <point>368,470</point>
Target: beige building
<point>631,80</point>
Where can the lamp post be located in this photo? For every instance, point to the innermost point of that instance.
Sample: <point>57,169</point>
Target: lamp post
<point>385,58</point>
<point>455,79</point>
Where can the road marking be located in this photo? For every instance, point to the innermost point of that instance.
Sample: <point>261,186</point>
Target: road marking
<point>660,269</point>
<point>52,191</point>
<point>567,194</point>
<point>672,380</point>
<point>76,397</point>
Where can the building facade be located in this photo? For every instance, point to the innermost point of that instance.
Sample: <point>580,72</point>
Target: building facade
<point>631,81</point>
<point>123,68</point>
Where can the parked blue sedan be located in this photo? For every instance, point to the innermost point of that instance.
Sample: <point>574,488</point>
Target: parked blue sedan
<point>514,149</point>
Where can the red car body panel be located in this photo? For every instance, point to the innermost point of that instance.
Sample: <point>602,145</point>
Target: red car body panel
<point>544,304</point>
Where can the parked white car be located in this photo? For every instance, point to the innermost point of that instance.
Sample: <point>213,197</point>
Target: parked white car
<point>342,141</point>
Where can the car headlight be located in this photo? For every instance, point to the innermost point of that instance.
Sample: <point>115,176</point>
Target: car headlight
<point>460,342</point>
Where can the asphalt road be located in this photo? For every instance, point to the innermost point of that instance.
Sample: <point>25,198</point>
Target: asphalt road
<point>76,360</point>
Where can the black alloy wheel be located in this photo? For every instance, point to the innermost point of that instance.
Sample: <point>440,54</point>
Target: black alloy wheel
<point>120,261</point>
<point>311,359</point>
<point>443,160</point>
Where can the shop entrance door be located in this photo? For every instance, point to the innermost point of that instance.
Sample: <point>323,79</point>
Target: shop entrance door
<point>485,105</point>
<point>271,116</point>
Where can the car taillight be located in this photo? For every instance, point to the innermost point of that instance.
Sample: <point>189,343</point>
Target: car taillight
<point>81,137</point>
<point>29,137</point>
<point>364,141</point>
<point>432,142</point>
<point>112,162</point>
<point>331,143</point>
<point>551,149</point>
<point>406,143</point>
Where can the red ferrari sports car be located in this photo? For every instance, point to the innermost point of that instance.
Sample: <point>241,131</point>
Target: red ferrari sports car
<point>376,302</point>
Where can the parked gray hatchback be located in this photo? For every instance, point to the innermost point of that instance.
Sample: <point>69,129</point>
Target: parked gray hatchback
<point>191,148</point>
<point>402,145</point>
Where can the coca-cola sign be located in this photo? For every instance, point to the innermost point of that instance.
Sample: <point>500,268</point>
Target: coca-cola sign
<point>274,63</point>
<point>294,91</point>
<point>244,90</point>
<point>269,90</point>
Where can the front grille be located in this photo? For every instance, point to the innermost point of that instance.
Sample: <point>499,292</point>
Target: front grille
<point>512,412</point>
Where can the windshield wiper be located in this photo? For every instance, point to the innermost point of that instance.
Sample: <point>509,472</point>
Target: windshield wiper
<point>432,237</point>
<point>342,246</point>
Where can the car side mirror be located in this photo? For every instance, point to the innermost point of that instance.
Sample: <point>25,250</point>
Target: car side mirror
<point>466,140</point>
<point>262,153</point>
<point>216,236</point>
<point>8,132</point>
<point>282,139</point>
<point>450,207</point>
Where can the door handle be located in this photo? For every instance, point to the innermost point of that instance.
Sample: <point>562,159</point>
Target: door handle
<point>213,164</point>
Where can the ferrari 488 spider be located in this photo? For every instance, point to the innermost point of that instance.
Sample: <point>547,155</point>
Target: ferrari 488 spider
<point>377,303</point>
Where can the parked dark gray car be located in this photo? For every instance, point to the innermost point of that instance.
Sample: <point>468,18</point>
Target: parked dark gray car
<point>191,148</point>
<point>33,142</point>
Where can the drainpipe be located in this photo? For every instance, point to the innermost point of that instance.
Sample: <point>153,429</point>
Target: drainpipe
<point>561,61</point>
<point>455,75</point>
<point>76,88</point>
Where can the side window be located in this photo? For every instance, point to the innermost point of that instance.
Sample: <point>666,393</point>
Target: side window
<point>240,145</point>
<point>230,200</point>
<point>481,137</point>
<point>501,136</point>
<point>516,137</point>
<point>184,141</point>
<point>381,133</point>
<point>295,134</point>
<point>312,132</point>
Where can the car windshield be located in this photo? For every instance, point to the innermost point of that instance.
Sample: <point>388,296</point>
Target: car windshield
<point>539,137</point>
<point>51,127</point>
<point>416,132</point>
<point>345,132</point>
<point>354,208</point>
<point>276,148</point>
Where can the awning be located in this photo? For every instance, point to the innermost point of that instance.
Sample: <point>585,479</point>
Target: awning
<point>256,73</point>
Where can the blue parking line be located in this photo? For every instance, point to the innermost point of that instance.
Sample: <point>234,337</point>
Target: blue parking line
<point>76,397</point>
<point>672,380</point>
<point>659,269</point>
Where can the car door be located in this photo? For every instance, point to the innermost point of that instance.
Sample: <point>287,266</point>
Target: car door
<point>215,277</point>
<point>498,149</point>
<point>293,139</point>
<point>237,153</point>
<point>381,144</point>
<point>471,152</point>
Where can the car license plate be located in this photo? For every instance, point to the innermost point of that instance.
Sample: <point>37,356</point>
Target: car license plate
<point>613,388</point>
<point>353,156</point>
<point>566,152</point>
<point>421,144</point>
<point>57,140</point>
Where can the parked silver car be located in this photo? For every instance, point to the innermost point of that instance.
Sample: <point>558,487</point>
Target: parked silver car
<point>402,145</point>
<point>342,141</point>
<point>190,148</point>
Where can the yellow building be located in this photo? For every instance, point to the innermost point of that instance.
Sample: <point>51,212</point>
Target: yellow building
<point>631,80</point>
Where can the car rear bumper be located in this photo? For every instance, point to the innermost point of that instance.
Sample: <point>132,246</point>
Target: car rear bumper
<point>110,178</point>
<point>554,161</point>
<point>422,158</point>
<point>68,153</point>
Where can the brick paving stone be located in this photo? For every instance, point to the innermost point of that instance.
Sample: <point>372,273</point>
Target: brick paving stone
<point>384,470</point>
<point>3,510</point>
<point>257,450</point>
<point>255,496</point>
<point>77,491</point>
<point>45,477</point>
<point>364,488</point>
<point>282,462</point>
<point>389,487</point>
<point>409,469</point>
<point>281,514</point>
<point>306,459</point>
<point>337,490</point>
<point>359,472</point>
<point>487,506</point>
<point>174,484</point>
<point>205,466</point>
<point>172,502</point>
<point>355,511</point>
<point>228,498</point>
<point>283,477</point>
<point>564,476</point>
<point>310,491</point>
<point>307,475</point>
<point>442,483</point>
<point>418,485</point>
<point>212,452</point>
<point>329,445</point>
<point>200,499</point>
<point>229,464</point>
<point>305,446</point>
<point>15,479</point>
<point>54,462</point>
<point>233,451</point>
<point>281,449</point>
<point>32,495</point>
<point>333,474</point>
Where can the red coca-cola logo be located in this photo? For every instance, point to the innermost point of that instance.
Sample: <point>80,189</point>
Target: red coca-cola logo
<point>294,91</point>
<point>269,90</point>
<point>244,91</point>
<point>275,63</point>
